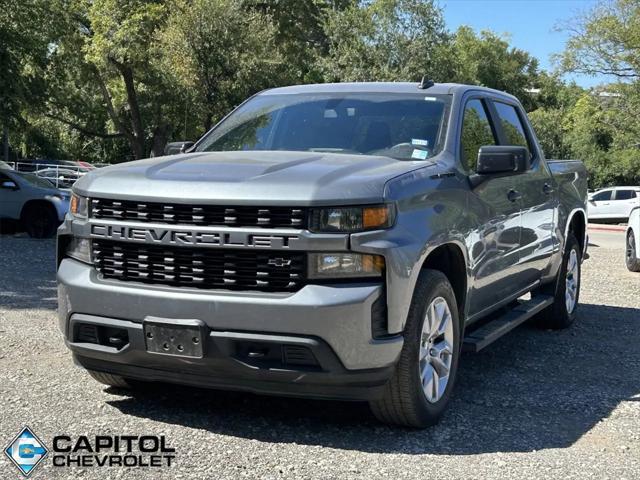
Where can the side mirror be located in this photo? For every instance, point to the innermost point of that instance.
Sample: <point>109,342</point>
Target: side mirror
<point>186,146</point>
<point>500,161</point>
<point>494,159</point>
<point>9,185</point>
<point>173,148</point>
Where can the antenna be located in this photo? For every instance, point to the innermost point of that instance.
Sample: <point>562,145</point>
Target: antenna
<point>425,83</point>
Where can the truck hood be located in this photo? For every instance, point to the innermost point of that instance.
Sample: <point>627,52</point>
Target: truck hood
<point>247,177</point>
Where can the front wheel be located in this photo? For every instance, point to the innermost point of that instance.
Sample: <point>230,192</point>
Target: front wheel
<point>562,312</point>
<point>420,388</point>
<point>632,261</point>
<point>40,221</point>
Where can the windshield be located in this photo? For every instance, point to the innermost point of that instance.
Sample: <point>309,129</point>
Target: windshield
<point>401,126</point>
<point>35,180</point>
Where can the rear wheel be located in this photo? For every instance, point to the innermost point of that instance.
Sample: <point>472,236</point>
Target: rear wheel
<point>420,388</point>
<point>633,263</point>
<point>566,289</point>
<point>40,220</point>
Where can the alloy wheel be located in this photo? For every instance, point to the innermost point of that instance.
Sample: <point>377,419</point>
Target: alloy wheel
<point>436,349</point>
<point>572,281</point>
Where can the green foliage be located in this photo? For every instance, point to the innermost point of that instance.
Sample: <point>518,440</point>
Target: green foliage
<point>603,126</point>
<point>548,125</point>
<point>220,54</point>
<point>487,59</point>
<point>384,40</point>
<point>300,33</point>
<point>26,30</point>
<point>113,80</point>
<point>605,41</point>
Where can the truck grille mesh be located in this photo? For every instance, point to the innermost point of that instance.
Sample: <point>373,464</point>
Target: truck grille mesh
<point>200,268</point>
<point>175,213</point>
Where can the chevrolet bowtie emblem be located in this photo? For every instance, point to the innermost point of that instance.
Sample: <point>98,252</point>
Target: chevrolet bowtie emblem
<point>279,262</point>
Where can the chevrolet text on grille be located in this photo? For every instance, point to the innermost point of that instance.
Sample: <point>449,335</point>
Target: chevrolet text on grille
<point>192,237</point>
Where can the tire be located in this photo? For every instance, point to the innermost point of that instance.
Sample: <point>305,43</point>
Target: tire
<point>40,221</point>
<point>405,402</point>
<point>559,315</point>
<point>631,257</point>
<point>110,379</point>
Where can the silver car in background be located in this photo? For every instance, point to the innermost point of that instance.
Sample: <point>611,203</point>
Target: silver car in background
<point>32,201</point>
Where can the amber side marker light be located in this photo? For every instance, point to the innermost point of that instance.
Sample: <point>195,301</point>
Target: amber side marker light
<point>374,217</point>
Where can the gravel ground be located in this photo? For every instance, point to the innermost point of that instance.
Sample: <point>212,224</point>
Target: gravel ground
<point>537,404</point>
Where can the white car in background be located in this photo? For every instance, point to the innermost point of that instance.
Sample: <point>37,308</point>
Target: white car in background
<point>613,203</point>
<point>633,241</point>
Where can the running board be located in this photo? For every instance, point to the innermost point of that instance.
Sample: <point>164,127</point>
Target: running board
<point>485,335</point>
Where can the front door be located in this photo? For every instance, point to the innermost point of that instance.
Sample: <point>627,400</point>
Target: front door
<point>494,241</point>
<point>600,205</point>
<point>10,199</point>
<point>538,197</point>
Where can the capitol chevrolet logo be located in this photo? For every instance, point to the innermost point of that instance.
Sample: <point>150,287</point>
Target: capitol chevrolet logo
<point>26,451</point>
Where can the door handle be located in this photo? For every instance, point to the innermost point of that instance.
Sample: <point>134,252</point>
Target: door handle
<point>514,195</point>
<point>547,189</point>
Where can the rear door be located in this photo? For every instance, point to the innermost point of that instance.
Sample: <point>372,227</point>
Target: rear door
<point>624,200</point>
<point>536,187</point>
<point>494,242</point>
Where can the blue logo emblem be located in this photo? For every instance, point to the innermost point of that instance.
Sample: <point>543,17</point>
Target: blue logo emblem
<point>26,451</point>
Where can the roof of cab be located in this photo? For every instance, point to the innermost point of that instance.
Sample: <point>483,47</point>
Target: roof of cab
<point>382,87</point>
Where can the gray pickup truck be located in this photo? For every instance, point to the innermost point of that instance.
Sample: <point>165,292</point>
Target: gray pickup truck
<point>342,241</point>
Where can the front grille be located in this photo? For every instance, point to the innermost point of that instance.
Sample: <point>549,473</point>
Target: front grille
<point>213,215</point>
<point>199,267</point>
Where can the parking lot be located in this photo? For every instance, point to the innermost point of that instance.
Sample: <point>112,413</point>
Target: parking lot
<point>543,404</point>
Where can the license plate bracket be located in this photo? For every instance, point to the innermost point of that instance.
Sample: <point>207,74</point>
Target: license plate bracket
<point>175,337</point>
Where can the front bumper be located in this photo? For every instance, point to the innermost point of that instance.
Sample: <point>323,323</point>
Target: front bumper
<point>333,322</point>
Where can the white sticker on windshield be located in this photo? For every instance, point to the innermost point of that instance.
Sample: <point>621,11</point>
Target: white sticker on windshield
<point>431,99</point>
<point>419,154</point>
<point>420,142</point>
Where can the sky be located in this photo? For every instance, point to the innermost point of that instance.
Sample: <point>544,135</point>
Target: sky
<point>531,24</point>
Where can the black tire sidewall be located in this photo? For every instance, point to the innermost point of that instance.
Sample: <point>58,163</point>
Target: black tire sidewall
<point>564,317</point>
<point>44,213</point>
<point>432,284</point>
<point>633,263</point>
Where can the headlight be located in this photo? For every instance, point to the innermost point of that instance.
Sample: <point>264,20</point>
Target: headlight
<point>352,219</point>
<point>344,265</point>
<point>80,249</point>
<point>79,206</point>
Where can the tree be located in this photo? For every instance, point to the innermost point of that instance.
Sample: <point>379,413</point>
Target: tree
<point>221,53</point>
<point>26,30</point>
<point>604,127</point>
<point>120,49</point>
<point>300,32</point>
<point>384,40</point>
<point>605,41</point>
<point>487,59</point>
<point>549,128</point>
